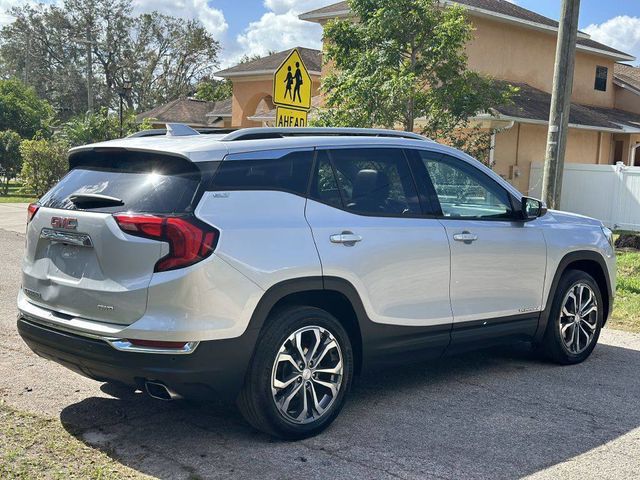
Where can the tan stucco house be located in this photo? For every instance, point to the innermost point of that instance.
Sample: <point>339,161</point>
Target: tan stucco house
<point>515,45</point>
<point>252,99</point>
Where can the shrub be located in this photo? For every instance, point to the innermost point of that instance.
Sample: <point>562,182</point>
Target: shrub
<point>10,158</point>
<point>44,162</point>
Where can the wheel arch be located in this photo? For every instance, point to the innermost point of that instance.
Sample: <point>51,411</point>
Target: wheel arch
<point>336,299</point>
<point>589,262</point>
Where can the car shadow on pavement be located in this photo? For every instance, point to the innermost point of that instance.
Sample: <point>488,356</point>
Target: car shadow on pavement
<point>501,413</point>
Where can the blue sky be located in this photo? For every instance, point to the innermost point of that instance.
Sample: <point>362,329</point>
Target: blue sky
<point>258,26</point>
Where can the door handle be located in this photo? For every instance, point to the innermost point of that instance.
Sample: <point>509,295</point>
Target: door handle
<point>346,238</point>
<point>466,237</point>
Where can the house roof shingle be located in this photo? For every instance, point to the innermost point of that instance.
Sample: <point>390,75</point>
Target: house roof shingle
<point>533,104</point>
<point>221,108</point>
<point>499,7</point>
<point>311,58</point>
<point>182,110</point>
<point>628,74</point>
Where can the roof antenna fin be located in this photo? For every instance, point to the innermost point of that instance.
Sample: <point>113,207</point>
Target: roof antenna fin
<point>180,130</point>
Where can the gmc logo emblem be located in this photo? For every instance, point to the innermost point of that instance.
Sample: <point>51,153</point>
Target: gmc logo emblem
<point>66,223</point>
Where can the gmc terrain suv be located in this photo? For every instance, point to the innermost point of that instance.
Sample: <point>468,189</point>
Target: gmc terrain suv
<point>270,266</point>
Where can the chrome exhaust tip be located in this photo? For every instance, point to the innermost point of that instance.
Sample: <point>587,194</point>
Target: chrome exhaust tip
<point>159,391</point>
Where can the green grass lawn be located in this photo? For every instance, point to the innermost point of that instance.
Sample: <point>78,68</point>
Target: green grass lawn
<point>626,310</point>
<point>15,194</point>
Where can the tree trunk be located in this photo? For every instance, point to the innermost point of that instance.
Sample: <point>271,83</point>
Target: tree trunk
<point>409,122</point>
<point>411,114</point>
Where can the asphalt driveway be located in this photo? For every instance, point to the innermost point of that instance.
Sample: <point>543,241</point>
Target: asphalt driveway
<point>495,414</point>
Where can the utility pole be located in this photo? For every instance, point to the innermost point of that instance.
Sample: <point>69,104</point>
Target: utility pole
<point>560,103</point>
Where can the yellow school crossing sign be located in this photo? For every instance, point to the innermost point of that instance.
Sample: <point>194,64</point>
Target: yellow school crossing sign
<point>292,92</point>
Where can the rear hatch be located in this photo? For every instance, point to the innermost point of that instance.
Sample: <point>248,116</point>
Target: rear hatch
<point>78,260</point>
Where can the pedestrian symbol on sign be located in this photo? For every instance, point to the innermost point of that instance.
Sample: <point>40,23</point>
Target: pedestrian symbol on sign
<point>292,83</point>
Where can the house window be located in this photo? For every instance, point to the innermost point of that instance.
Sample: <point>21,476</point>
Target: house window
<point>601,78</point>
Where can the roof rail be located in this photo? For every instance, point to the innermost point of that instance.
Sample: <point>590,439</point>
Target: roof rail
<point>277,132</point>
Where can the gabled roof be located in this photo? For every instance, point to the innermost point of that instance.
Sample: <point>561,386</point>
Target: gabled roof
<point>497,9</point>
<point>627,76</point>
<point>190,111</point>
<point>222,108</point>
<point>269,64</point>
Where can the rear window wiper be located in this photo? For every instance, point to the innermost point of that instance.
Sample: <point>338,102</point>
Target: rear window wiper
<point>95,200</point>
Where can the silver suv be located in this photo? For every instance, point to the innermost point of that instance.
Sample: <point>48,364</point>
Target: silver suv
<point>270,266</point>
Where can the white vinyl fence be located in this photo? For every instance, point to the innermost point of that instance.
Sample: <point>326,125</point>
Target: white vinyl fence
<point>610,193</point>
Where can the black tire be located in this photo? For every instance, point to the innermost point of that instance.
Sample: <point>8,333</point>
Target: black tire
<point>256,400</point>
<point>553,346</point>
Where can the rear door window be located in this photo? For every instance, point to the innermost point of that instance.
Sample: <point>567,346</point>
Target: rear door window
<point>145,182</point>
<point>370,181</point>
<point>289,173</point>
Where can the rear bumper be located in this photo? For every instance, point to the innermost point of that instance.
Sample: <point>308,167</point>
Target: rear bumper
<point>216,369</point>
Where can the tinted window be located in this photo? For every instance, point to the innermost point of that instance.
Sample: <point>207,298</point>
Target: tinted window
<point>324,186</point>
<point>375,181</point>
<point>144,182</point>
<point>463,191</point>
<point>601,78</point>
<point>289,174</point>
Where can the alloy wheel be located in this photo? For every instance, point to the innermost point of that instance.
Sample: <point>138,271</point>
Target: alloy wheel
<point>578,318</point>
<point>307,374</point>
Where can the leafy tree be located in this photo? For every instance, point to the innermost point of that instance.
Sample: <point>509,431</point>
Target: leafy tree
<point>21,110</point>
<point>246,58</point>
<point>98,127</point>
<point>164,57</point>
<point>10,159</point>
<point>405,60</point>
<point>38,49</point>
<point>44,163</point>
<point>213,90</point>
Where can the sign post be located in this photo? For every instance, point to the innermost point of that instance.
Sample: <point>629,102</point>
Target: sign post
<point>292,92</point>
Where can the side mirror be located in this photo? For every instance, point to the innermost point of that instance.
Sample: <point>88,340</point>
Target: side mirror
<point>532,208</point>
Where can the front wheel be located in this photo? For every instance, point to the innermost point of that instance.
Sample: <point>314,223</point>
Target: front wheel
<point>575,319</point>
<point>300,374</point>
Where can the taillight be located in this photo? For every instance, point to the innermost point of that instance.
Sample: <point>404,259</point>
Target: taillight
<point>189,240</point>
<point>31,211</point>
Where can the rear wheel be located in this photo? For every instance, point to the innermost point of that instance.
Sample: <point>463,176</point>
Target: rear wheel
<point>575,319</point>
<point>300,374</point>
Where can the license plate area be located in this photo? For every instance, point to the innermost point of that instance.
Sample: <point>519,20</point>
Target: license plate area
<point>71,256</point>
<point>69,238</point>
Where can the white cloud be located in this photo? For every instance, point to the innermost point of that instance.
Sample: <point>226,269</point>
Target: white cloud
<point>278,29</point>
<point>621,33</point>
<point>212,18</point>
<point>298,6</point>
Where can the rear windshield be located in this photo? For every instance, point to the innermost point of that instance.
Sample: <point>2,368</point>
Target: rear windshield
<point>147,183</point>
